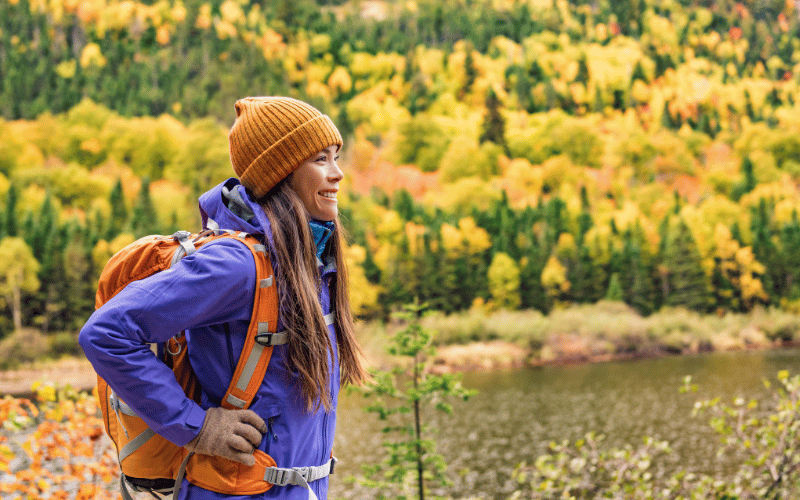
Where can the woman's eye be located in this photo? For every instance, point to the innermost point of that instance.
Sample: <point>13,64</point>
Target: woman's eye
<point>336,158</point>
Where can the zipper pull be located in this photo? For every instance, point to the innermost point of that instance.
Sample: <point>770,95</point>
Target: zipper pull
<point>270,434</point>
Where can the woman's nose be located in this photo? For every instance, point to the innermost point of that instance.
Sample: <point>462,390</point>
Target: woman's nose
<point>335,173</point>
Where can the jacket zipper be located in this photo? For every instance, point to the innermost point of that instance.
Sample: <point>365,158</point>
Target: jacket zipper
<point>230,346</point>
<point>270,435</point>
<point>325,415</point>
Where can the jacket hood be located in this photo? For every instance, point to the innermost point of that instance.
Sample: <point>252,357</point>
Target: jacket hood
<point>228,206</point>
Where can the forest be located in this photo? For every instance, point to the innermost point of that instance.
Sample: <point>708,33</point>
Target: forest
<point>499,155</point>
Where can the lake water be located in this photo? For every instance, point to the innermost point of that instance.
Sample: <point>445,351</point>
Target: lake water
<point>518,412</point>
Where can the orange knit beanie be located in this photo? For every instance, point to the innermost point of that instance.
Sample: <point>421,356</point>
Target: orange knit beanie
<point>272,136</point>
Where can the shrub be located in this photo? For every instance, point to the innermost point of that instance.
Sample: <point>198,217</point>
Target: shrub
<point>23,346</point>
<point>766,438</point>
<point>64,344</point>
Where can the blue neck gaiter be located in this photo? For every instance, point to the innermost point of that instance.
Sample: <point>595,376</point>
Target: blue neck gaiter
<point>321,232</point>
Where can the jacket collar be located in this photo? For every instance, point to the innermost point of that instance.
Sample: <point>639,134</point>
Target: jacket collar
<point>228,206</point>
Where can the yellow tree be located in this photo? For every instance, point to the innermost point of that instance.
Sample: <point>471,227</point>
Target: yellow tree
<point>737,268</point>
<point>504,281</point>
<point>554,278</point>
<point>18,268</point>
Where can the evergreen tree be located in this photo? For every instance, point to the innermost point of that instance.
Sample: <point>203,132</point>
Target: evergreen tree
<point>502,228</point>
<point>523,86</point>
<point>79,285</point>
<point>470,72</point>
<point>790,249</point>
<point>403,204</point>
<point>598,105</point>
<point>583,70</point>
<point>52,278</point>
<point>748,182</point>
<point>28,228</point>
<point>688,284</point>
<point>493,128</point>
<point>10,225</point>
<point>634,274</point>
<point>47,220</point>
<point>585,218</point>
<point>748,106</point>
<point>555,218</point>
<point>666,118</point>
<point>119,211</point>
<point>614,292</point>
<point>587,278</point>
<point>144,220</point>
<point>638,73</point>
<point>371,269</point>
<point>723,290</point>
<point>765,249</point>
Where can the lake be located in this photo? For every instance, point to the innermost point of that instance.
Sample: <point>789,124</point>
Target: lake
<point>518,412</point>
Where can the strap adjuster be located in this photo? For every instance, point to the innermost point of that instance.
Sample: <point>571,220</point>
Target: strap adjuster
<point>269,339</point>
<point>265,339</point>
<point>299,476</point>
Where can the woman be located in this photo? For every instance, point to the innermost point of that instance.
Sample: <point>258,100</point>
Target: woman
<point>284,154</point>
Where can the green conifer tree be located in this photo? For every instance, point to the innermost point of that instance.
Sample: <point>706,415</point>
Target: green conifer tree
<point>587,278</point>
<point>688,284</point>
<point>10,225</point>
<point>144,220</point>
<point>119,211</point>
<point>635,273</point>
<point>493,128</point>
<point>403,204</point>
<point>531,290</point>
<point>583,70</point>
<point>614,292</point>
<point>790,249</point>
<point>470,72</point>
<point>764,248</point>
<point>79,284</point>
<point>585,218</point>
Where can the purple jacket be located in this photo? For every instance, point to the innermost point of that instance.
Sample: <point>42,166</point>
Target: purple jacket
<point>209,294</point>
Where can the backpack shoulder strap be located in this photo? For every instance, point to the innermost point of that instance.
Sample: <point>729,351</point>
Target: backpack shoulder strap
<point>261,334</point>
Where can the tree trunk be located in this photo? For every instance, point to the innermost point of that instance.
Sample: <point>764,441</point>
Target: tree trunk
<point>16,306</point>
<point>418,433</point>
<point>51,296</point>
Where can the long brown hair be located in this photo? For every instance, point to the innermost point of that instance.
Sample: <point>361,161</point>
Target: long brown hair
<point>298,278</point>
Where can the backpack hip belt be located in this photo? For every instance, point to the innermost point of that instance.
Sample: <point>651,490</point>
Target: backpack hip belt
<point>224,476</point>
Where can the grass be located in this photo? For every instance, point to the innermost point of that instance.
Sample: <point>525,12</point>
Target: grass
<point>598,331</point>
<point>574,333</point>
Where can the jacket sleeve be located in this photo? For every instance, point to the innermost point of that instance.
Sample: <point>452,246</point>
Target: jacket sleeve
<point>214,285</point>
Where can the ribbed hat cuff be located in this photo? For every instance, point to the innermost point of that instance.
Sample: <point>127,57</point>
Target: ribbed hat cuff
<point>283,157</point>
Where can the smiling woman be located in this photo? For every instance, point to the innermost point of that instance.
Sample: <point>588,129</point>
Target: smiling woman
<point>283,152</point>
<point>316,182</point>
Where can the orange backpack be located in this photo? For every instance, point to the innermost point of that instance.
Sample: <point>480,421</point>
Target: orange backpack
<point>149,462</point>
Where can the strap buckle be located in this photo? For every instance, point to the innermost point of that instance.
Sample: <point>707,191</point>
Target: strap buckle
<point>181,235</point>
<point>265,339</point>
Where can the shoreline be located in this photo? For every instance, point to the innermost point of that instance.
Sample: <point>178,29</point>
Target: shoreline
<point>465,358</point>
<point>475,356</point>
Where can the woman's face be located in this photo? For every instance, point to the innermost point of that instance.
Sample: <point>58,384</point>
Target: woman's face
<point>316,182</point>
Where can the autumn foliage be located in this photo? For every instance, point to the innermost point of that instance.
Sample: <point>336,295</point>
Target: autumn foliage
<point>499,155</point>
<point>53,447</point>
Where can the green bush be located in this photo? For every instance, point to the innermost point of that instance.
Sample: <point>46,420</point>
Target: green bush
<point>23,346</point>
<point>64,344</point>
<point>766,438</point>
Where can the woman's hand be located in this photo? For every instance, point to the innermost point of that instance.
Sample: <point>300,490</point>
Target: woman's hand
<point>231,434</point>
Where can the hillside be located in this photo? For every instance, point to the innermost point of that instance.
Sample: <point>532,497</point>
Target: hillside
<point>506,154</point>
